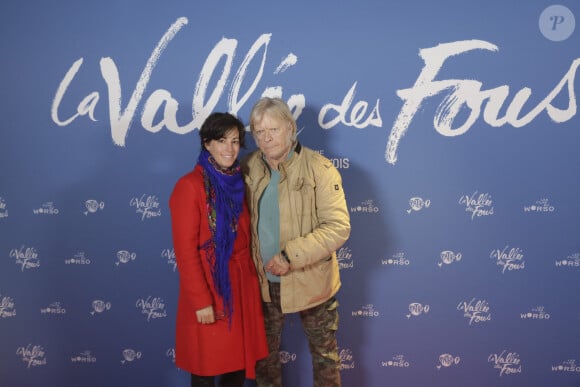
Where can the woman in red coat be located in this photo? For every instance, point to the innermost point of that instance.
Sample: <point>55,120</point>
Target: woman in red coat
<point>220,326</point>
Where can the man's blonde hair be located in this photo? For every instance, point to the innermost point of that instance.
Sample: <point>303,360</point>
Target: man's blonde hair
<point>273,107</point>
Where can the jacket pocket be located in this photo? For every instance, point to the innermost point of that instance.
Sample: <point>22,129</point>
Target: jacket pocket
<point>304,196</point>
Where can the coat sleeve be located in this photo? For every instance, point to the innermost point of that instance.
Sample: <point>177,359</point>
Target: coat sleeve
<point>185,224</point>
<point>333,220</point>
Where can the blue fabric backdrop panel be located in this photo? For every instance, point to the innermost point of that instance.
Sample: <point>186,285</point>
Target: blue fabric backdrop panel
<point>454,126</point>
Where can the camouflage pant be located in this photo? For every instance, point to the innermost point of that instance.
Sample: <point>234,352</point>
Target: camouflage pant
<point>320,324</point>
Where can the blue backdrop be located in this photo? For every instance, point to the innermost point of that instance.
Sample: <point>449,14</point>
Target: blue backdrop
<point>453,123</point>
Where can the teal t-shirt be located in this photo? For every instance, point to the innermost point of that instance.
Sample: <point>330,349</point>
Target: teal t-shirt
<point>269,222</point>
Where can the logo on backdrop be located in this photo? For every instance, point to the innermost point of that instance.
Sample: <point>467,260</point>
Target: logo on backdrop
<point>130,355</point>
<point>287,357</point>
<point>3,208</point>
<point>169,254</point>
<point>537,313</point>
<point>478,204</point>
<point>569,366</point>
<point>84,357</point>
<point>344,257</point>
<point>557,23</point>
<point>7,307</point>
<point>447,257</point>
<point>339,163</point>
<point>366,311</point>
<point>446,360</point>
<point>367,206</point>
<point>571,261</point>
<point>78,259</point>
<point>54,308</point>
<point>540,206</point>
<point>346,359</point>
<point>171,354</point>
<point>475,311</point>
<point>124,256</point>
<point>100,306</point>
<point>47,208</point>
<point>92,206</point>
<point>146,205</point>
<point>470,94</point>
<point>152,307</point>
<point>416,204</point>
<point>161,106</point>
<point>397,361</point>
<point>32,355</point>
<point>416,309</point>
<point>397,259</point>
<point>508,363</point>
<point>26,257</point>
<point>509,258</point>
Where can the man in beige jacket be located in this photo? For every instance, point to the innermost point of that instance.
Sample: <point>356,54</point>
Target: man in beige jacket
<point>299,220</point>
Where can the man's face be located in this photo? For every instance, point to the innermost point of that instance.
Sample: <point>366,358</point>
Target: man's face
<point>274,137</point>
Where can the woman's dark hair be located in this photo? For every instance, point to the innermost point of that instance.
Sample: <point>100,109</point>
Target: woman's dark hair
<point>218,124</point>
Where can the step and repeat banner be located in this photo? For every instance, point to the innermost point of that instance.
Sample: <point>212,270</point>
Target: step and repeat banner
<point>454,125</point>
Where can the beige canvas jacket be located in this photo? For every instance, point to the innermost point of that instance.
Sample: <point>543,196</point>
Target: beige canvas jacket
<point>314,223</point>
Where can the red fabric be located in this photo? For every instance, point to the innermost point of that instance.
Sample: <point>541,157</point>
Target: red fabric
<point>213,349</point>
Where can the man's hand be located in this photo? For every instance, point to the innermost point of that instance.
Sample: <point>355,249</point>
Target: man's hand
<point>277,265</point>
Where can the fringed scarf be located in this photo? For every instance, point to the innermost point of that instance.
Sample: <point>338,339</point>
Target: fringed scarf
<point>225,195</point>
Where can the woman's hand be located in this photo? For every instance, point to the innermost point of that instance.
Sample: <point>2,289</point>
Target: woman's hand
<point>205,315</point>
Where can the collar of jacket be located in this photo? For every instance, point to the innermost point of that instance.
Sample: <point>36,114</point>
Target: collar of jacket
<point>298,147</point>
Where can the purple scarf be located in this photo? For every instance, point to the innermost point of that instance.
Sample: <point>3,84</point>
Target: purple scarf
<point>225,196</point>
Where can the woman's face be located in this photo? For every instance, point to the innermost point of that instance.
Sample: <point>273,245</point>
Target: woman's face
<point>226,149</point>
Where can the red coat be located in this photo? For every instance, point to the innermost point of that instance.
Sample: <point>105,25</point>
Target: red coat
<point>213,349</point>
